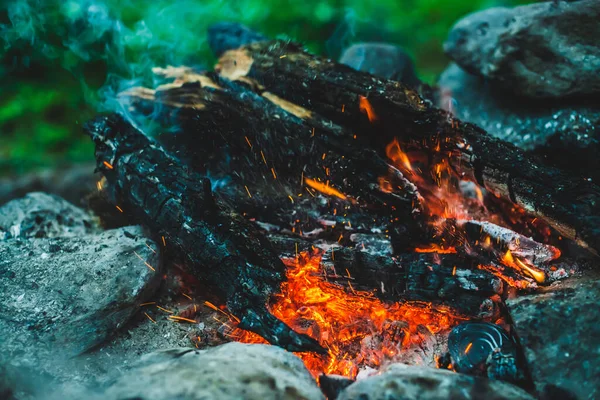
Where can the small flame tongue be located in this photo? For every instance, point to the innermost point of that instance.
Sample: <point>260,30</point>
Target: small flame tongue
<point>521,266</point>
<point>522,254</point>
<point>456,209</point>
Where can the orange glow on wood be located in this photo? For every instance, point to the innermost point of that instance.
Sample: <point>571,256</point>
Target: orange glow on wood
<point>345,321</point>
<point>436,249</point>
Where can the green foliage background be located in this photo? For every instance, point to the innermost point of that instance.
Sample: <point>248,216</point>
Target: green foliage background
<point>63,60</point>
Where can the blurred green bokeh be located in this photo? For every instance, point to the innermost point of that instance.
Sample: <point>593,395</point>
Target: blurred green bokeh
<point>63,60</point>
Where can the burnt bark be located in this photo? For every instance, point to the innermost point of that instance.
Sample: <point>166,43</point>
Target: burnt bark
<point>451,279</point>
<point>262,141</point>
<point>379,110</point>
<point>271,151</point>
<point>220,247</point>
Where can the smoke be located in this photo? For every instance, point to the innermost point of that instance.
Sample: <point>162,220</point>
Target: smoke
<point>110,45</point>
<point>343,35</point>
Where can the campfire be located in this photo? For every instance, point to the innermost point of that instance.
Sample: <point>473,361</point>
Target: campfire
<point>335,214</point>
<point>357,328</point>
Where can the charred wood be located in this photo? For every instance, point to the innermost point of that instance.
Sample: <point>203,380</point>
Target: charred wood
<point>451,279</point>
<point>267,140</point>
<point>488,243</point>
<point>220,247</point>
<point>379,110</point>
<point>283,160</point>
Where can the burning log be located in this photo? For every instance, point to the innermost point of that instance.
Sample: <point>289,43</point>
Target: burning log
<point>452,279</point>
<point>264,141</point>
<point>448,278</point>
<point>220,247</point>
<point>279,156</point>
<point>489,245</point>
<point>522,254</point>
<point>486,233</point>
<point>312,151</point>
<point>378,111</point>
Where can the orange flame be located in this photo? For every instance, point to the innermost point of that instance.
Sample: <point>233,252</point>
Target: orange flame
<point>521,266</point>
<point>508,258</point>
<point>498,272</point>
<point>366,107</point>
<point>357,328</point>
<point>395,153</point>
<point>448,195</point>
<point>537,274</point>
<point>385,185</point>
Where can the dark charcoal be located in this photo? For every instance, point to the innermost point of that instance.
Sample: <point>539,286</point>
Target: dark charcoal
<point>247,139</point>
<point>572,206</point>
<point>223,249</point>
<point>419,276</point>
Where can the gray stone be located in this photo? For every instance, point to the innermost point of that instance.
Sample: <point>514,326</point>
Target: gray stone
<point>549,49</point>
<point>230,371</point>
<point>64,296</point>
<point>40,215</point>
<point>482,348</point>
<point>562,131</point>
<point>332,385</point>
<point>381,60</point>
<point>7,383</point>
<point>143,335</point>
<point>80,377</point>
<point>72,183</point>
<point>400,381</point>
<point>560,336</point>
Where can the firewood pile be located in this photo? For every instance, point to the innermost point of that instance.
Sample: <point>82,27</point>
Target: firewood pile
<point>381,206</point>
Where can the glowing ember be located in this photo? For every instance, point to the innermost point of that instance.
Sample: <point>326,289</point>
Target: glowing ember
<point>385,185</point>
<point>451,201</point>
<point>324,188</point>
<point>520,265</point>
<point>498,271</point>
<point>361,331</point>
<point>436,249</point>
<point>358,329</point>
